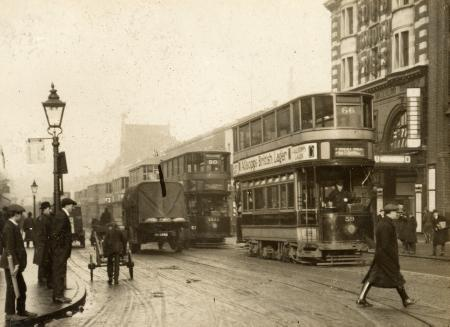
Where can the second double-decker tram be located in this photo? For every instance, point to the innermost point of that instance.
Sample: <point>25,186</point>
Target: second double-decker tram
<point>206,179</point>
<point>302,172</point>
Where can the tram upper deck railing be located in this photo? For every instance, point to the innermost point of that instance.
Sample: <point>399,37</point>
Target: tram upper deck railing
<point>345,115</point>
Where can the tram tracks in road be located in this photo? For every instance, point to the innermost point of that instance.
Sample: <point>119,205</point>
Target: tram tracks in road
<point>129,307</point>
<point>404,312</point>
<point>216,297</point>
<point>303,289</point>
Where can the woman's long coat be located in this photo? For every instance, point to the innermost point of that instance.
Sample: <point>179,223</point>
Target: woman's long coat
<point>385,268</point>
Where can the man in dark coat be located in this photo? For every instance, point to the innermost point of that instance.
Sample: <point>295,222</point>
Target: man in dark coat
<point>13,246</point>
<point>440,232</point>
<point>411,234</point>
<point>41,235</point>
<point>114,246</point>
<point>385,269</point>
<point>339,197</point>
<point>28,229</point>
<point>61,244</point>
<point>105,218</point>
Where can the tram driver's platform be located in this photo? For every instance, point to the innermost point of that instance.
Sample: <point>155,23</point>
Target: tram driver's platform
<point>39,298</point>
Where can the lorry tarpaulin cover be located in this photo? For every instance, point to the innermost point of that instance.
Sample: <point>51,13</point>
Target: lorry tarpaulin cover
<point>148,199</point>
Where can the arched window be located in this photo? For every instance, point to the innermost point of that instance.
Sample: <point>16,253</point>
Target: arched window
<point>399,132</point>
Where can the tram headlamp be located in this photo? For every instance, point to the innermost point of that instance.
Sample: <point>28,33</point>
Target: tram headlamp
<point>350,229</point>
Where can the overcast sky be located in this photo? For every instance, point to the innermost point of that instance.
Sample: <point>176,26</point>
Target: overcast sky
<point>189,63</point>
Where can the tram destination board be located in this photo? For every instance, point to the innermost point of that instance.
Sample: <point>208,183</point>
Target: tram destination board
<point>349,150</point>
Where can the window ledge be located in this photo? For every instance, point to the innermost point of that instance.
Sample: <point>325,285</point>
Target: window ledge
<point>348,36</point>
<point>394,10</point>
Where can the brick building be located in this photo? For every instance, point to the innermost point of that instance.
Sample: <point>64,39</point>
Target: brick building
<point>398,51</point>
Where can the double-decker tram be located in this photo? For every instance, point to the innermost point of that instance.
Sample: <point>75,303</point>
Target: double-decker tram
<point>206,179</point>
<point>302,172</point>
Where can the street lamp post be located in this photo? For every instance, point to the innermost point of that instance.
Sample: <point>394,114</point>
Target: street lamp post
<point>34,188</point>
<point>54,111</point>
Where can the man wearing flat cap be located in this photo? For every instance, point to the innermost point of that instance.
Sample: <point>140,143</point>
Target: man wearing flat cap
<point>41,241</point>
<point>61,244</point>
<point>14,249</point>
<point>385,269</point>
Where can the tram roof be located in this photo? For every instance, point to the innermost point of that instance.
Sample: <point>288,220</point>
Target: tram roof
<point>265,111</point>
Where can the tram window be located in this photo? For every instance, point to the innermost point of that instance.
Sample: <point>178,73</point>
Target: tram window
<point>291,195</point>
<point>256,131</point>
<point>296,117</point>
<point>169,169</point>
<point>244,200</point>
<point>181,164</point>
<point>283,196</point>
<point>272,197</point>
<point>367,112</point>
<point>269,126</point>
<point>164,166</point>
<point>250,199</point>
<point>307,114</point>
<point>175,166</point>
<point>188,158</point>
<point>226,162</point>
<point>259,198</point>
<point>349,116</point>
<point>197,160</point>
<point>283,122</point>
<point>244,136</point>
<point>324,111</point>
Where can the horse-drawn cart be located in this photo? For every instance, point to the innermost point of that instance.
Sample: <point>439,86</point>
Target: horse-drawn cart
<point>100,259</point>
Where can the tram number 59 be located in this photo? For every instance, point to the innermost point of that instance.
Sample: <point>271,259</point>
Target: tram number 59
<point>349,219</point>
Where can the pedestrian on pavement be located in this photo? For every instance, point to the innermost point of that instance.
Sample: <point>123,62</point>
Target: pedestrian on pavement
<point>440,234</point>
<point>411,235</point>
<point>14,249</point>
<point>41,233</point>
<point>385,269</point>
<point>401,227</point>
<point>61,243</point>
<point>427,226</point>
<point>28,229</point>
<point>114,246</point>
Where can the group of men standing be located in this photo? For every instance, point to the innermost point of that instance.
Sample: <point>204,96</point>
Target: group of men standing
<point>53,245</point>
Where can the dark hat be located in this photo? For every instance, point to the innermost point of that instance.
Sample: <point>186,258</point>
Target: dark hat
<point>339,182</point>
<point>390,207</point>
<point>45,205</point>
<point>15,208</point>
<point>435,210</point>
<point>67,201</point>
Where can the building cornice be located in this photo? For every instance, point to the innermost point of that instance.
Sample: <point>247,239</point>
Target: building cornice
<point>392,79</point>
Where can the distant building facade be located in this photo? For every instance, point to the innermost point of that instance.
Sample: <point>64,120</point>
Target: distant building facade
<point>398,51</point>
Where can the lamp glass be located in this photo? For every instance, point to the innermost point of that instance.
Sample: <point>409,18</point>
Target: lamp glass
<point>34,187</point>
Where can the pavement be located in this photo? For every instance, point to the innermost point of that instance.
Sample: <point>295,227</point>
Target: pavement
<point>39,298</point>
<point>424,250</point>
